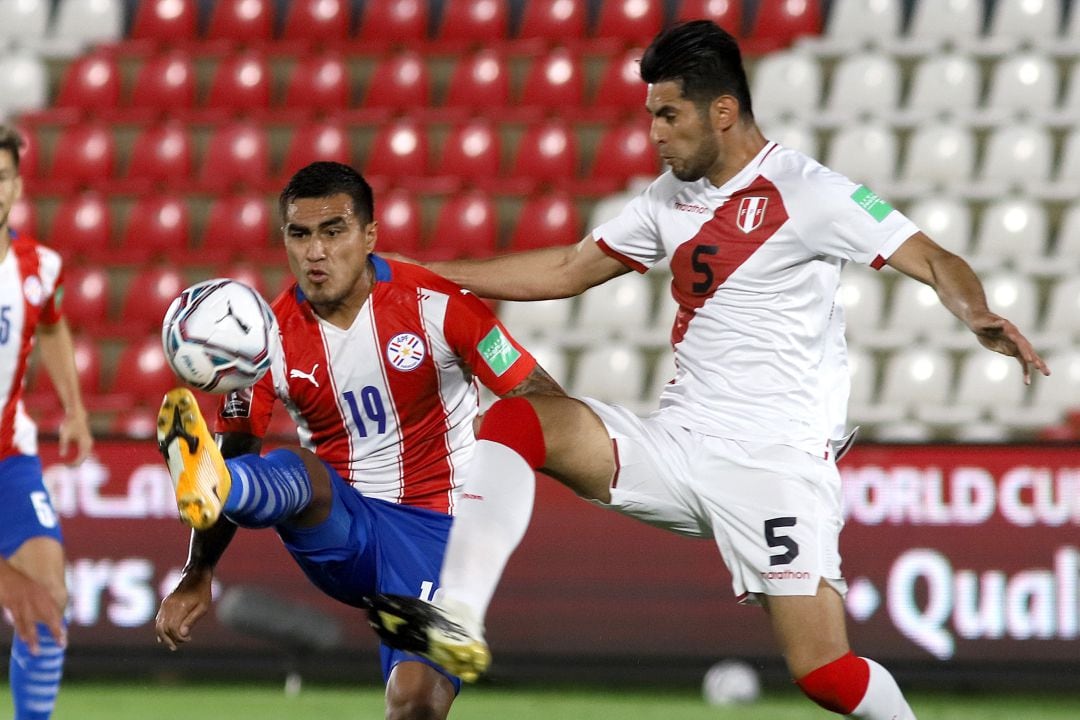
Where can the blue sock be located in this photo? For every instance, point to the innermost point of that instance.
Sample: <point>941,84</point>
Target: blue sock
<point>35,679</point>
<point>266,490</point>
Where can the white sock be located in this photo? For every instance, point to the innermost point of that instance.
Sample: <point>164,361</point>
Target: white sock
<point>489,523</point>
<point>883,699</point>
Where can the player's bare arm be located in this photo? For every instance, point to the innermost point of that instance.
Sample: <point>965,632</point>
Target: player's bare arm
<point>962,293</point>
<point>545,274</point>
<point>191,599</point>
<point>538,382</point>
<point>58,357</point>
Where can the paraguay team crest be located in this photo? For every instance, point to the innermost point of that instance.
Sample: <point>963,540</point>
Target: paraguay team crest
<point>33,291</point>
<point>751,213</point>
<point>405,351</point>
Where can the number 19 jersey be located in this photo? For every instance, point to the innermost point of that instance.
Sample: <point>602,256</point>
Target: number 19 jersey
<point>389,403</point>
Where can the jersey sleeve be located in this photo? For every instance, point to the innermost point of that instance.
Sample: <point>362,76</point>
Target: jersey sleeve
<point>481,341</point>
<point>248,410</point>
<point>632,237</point>
<point>837,217</point>
<point>52,307</point>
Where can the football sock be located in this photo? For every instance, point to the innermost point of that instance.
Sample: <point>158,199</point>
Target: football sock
<point>266,490</point>
<point>35,679</point>
<point>856,687</point>
<point>494,511</point>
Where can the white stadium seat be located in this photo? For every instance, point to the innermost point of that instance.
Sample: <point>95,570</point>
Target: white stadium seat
<point>617,308</point>
<point>552,358</point>
<point>1016,157</point>
<point>1011,230</point>
<point>862,294</point>
<point>864,83</point>
<point>1024,84</point>
<point>941,21</point>
<point>944,85</point>
<point>24,84</point>
<point>541,318</point>
<point>1061,323</point>
<point>786,84</point>
<point>863,22</point>
<point>86,22</point>
<point>946,220</point>
<point>1065,252</point>
<point>988,383</point>
<point>866,153</point>
<point>1068,172</point>
<point>25,21</point>
<point>610,372</point>
<point>793,134</point>
<point>917,313</point>
<point>1032,21</point>
<point>1057,393</point>
<point>917,379</point>
<point>940,155</point>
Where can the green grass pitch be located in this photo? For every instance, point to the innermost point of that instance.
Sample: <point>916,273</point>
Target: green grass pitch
<point>84,701</point>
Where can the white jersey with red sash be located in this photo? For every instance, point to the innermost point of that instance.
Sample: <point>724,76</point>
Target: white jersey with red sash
<point>31,283</point>
<point>389,402</point>
<point>755,264</point>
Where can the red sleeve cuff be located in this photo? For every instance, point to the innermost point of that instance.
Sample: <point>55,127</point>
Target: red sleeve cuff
<point>625,260</point>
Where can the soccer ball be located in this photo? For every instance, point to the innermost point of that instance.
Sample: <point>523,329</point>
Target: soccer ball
<point>730,682</point>
<point>218,336</point>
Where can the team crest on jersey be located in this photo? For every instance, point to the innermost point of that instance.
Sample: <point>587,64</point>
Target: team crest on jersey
<point>405,351</point>
<point>751,213</point>
<point>33,291</point>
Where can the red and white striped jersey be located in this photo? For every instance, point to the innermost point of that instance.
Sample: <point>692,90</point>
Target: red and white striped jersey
<point>755,264</point>
<point>389,403</point>
<point>31,287</point>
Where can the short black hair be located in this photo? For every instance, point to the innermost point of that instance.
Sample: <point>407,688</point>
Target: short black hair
<point>704,58</point>
<point>323,179</point>
<point>11,141</point>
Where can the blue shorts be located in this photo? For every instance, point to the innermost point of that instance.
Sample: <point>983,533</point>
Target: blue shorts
<point>27,510</point>
<point>369,546</point>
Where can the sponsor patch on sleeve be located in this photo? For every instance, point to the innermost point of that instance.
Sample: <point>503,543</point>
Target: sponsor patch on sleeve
<point>869,201</point>
<point>497,351</point>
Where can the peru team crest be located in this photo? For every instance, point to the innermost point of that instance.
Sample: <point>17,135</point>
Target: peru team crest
<point>405,351</point>
<point>751,213</point>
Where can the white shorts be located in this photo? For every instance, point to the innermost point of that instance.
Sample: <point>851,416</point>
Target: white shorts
<point>774,510</point>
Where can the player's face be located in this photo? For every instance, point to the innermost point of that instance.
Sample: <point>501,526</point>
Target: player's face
<point>681,133</point>
<point>328,245</point>
<point>10,186</point>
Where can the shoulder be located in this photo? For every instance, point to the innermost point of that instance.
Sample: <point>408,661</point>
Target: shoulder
<point>48,260</point>
<point>793,169</point>
<point>410,276</point>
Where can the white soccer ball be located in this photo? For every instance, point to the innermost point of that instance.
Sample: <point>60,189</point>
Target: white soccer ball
<point>218,335</point>
<point>730,682</point>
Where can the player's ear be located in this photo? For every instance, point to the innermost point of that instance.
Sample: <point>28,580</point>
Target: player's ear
<point>724,112</point>
<point>370,236</point>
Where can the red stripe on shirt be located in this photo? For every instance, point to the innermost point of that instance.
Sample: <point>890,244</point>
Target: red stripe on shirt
<point>726,241</point>
<point>425,462</point>
<point>28,262</point>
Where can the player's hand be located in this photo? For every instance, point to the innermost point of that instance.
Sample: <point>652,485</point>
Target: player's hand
<point>182,608</point>
<point>1000,335</point>
<point>75,429</point>
<point>28,603</point>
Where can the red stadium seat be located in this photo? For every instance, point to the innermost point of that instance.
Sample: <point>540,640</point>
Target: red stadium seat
<point>316,141</point>
<point>546,220</point>
<point>158,226</point>
<point>398,214</point>
<point>400,81</point>
<point>85,154</point>
<point>472,151</point>
<point>248,274</point>
<point>621,86</point>
<point>166,21</point>
<point>162,153</point>
<point>86,299</point>
<point>624,152</point>
<point>28,154</point>
<point>399,150</point>
<point>555,80</point>
<point>23,217</point>
<point>238,227</point>
<point>135,423</point>
<point>480,80</point>
<point>475,21</point>
<point>400,22</point>
<point>547,152</point>
<point>466,226</point>
<point>631,21</point>
<point>318,82</point>
<point>238,154</point>
<point>242,21</point>
<point>319,21</point>
<point>87,366</point>
<point>242,82</point>
<point>146,299</point>
<point>82,227</point>
<point>142,373</point>
<point>91,83</point>
<point>556,20</point>
<point>779,22</point>
<point>165,82</point>
<point>728,14</point>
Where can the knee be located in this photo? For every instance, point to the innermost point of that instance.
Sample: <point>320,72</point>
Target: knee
<point>413,708</point>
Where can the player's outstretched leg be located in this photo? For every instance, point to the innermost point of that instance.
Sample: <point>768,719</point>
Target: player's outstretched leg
<point>447,636</point>
<point>198,471</point>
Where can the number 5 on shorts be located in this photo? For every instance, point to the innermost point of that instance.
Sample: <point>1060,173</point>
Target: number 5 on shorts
<point>778,541</point>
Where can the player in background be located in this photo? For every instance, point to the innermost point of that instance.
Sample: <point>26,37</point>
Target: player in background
<point>377,370</point>
<point>32,587</point>
<point>740,449</point>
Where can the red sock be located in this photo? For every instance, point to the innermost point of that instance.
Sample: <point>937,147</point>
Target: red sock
<point>513,422</point>
<point>838,686</point>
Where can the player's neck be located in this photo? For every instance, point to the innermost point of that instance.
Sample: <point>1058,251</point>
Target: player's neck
<point>342,314</point>
<point>5,241</point>
<point>741,147</point>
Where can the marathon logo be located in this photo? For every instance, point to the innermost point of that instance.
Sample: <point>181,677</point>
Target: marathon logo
<point>785,575</point>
